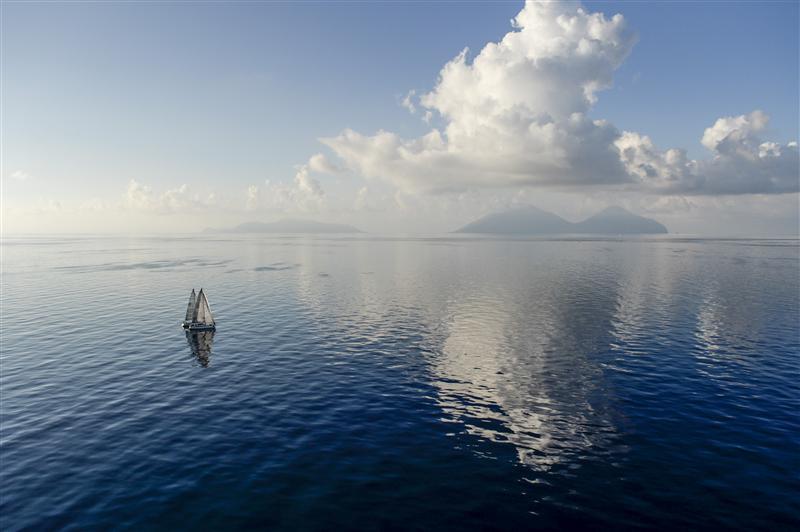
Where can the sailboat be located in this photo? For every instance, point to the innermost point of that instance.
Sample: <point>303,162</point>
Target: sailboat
<point>198,313</point>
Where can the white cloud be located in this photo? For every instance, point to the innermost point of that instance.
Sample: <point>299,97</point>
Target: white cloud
<point>377,200</point>
<point>306,185</point>
<point>517,115</point>
<point>19,175</point>
<point>741,162</point>
<point>408,101</point>
<point>303,194</point>
<point>252,198</point>
<point>139,196</point>
<point>321,164</point>
<point>734,132</point>
<point>176,200</point>
<point>93,205</point>
<point>362,201</point>
<point>52,205</point>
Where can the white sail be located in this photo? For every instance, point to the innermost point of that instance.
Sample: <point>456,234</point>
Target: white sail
<point>198,310</point>
<point>202,312</point>
<point>209,318</point>
<point>190,307</point>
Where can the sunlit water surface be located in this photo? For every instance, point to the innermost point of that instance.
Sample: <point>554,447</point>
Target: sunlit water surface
<point>419,383</point>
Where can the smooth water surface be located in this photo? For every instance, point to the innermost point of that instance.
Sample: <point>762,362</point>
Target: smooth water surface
<point>400,383</point>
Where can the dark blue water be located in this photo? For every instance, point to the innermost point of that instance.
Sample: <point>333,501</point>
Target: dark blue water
<point>380,383</point>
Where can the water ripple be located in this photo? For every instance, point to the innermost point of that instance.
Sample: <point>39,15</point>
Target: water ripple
<point>367,382</point>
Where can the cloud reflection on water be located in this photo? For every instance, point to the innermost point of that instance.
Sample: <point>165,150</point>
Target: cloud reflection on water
<point>521,367</point>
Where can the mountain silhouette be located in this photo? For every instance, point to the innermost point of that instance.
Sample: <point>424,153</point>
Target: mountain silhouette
<point>618,221</point>
<point>529,220</point>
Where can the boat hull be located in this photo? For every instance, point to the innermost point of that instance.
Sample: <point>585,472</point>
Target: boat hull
<point>198,327</point>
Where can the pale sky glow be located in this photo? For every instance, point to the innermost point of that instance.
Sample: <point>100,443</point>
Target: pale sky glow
<point>125,117</point>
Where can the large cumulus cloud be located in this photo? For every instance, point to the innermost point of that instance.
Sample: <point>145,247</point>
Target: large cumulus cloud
<point>517,115</point>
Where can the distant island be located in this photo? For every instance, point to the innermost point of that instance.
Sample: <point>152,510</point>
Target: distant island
<point>530,220</point>
<point>287,226</point>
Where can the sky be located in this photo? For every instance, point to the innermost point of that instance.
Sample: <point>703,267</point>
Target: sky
<point>397,117</point>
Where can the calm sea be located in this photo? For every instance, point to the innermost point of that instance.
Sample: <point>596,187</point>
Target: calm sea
<point>400,383</point>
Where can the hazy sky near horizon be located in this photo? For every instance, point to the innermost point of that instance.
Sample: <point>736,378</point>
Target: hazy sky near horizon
<point>164,117</point>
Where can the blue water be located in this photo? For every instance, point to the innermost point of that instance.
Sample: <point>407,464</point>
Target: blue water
<point>400,383</point>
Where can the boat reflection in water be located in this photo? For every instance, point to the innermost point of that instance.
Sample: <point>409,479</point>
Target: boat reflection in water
<point>200,343</point>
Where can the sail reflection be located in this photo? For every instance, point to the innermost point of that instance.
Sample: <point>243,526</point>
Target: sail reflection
<point>200,343</point>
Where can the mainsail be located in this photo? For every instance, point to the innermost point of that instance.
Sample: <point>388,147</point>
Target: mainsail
<point>202,312</point>
<point>190,307</point>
